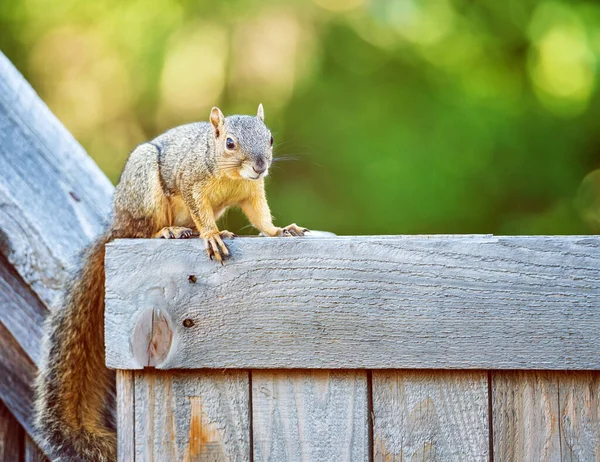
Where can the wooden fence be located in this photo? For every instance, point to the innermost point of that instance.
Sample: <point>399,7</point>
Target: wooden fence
<point>446,348</point>
<point>53,201</point>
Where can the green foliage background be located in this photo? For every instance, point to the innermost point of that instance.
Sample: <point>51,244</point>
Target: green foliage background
<point>401,116</point>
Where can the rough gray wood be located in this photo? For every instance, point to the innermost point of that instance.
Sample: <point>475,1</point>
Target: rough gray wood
<point>53,197</point>
<point>125,416</point>
<point>310,415</point>
<point>430,416</point>
<point>21,318</point>
<point>192,416</point>
<point>580,415</point>
<point>53,200</point>
<point>546,416</point>
<point>363,302</point>
<point>21,312</point>
<point>16,377</point>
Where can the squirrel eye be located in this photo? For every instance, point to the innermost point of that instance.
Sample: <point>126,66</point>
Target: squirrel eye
<point>271,140</point>
<point>229,143</point>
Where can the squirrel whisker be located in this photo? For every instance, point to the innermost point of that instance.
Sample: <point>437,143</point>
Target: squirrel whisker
<point>284,158</point>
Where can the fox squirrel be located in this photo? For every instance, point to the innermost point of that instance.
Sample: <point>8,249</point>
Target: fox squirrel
<point>173,186</point>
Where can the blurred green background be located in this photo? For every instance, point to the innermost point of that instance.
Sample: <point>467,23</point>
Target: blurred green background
<point>403,116</point>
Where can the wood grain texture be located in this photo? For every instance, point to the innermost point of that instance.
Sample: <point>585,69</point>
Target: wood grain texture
<point>53,197</point>
<point>32,452</point>
<point>546,416</point>
<point>16,377</point>
<point>125,416</point>
<point>22,312</point>
<point>430,416</point>
<point>310,415</point>
<point>364,302</point>
<point>12,443</point>
<point>192,416</point>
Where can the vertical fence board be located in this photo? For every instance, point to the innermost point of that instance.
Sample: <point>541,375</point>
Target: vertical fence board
<point>430,415</point>
<point>546,416</point>
<point>11,436</point>
<point>580,415</point>
<point>192,415</point>
<point>310,415</point>
<point>125,416</point>
<point>525,416</point>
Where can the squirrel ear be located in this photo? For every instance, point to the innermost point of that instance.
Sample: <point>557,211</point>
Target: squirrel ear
<point>261,112</point>
<point>217,120</point>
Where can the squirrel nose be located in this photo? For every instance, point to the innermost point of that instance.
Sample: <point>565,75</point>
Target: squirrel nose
<point>259,171</point>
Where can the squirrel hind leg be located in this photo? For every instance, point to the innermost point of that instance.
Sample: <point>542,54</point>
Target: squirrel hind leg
<point>174,232</point>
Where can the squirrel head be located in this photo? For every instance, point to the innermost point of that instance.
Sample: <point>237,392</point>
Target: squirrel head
<point>244,144</point>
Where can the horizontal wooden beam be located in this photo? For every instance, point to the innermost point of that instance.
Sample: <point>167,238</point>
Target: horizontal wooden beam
<point>447,302</point>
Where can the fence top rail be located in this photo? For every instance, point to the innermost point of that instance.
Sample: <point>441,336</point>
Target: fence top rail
<point>380,302</point>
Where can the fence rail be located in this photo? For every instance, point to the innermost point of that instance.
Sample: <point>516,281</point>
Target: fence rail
<point>357,348</point>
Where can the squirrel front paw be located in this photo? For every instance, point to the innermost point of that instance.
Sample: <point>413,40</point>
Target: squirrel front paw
<point>214,245</point>
<point>174,232</point>
<point>293,230</point>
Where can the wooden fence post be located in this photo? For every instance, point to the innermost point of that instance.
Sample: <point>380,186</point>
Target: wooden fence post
<point>366,348</point>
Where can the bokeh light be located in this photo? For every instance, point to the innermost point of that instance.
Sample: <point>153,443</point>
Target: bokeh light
<point>392,116</point>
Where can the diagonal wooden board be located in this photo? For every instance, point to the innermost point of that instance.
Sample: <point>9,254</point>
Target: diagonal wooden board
<point>53,197</point>
<point>53,201</point>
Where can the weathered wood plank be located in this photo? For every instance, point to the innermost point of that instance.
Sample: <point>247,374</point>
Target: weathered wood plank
<point>579,398</point>
<point>310,415</point>
<point>430,415</point>
<point>12,444</point>
<point>546,416</point>
<point>53,200</point>
<point>17,373</point>
<point>525,416</point>
<point>125,416</point>
<point>22,311</point>
<point>32,452</point>
<point>53,197</point>
<point>192,416</point>
<point>364,302</point>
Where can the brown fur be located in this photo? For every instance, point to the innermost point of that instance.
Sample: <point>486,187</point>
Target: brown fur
<point>168,186</point>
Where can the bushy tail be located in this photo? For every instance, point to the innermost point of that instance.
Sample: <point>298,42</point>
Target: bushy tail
<point>75,402</point>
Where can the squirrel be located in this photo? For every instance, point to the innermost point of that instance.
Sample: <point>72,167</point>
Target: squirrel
<point>172,187</point>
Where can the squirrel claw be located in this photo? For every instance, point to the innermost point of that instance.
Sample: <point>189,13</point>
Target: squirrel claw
<point>214,245</point>
<point>174,232</point>
<point>293,230</point>
<point>227,235</point>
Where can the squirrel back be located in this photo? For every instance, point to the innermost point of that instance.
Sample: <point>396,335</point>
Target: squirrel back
<point>175,185</point>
